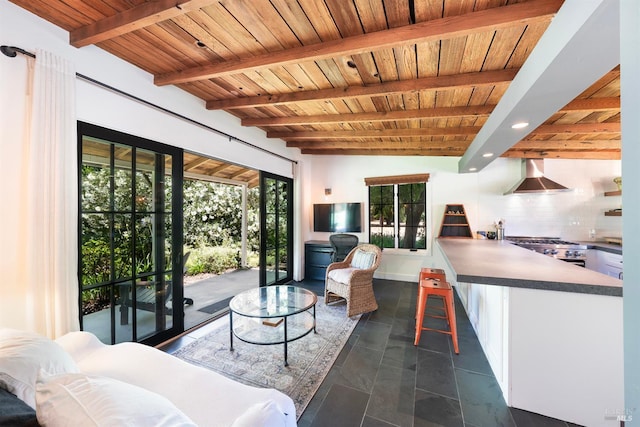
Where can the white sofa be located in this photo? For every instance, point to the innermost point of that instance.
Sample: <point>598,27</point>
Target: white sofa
<point>145,381</point>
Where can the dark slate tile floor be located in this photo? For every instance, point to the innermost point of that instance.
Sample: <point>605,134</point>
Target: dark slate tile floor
<point>382,380</point>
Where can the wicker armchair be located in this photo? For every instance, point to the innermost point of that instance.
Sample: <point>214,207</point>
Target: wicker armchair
<point>354,284</point>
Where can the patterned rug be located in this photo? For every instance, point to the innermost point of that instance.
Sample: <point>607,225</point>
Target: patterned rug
<point>310,357</point>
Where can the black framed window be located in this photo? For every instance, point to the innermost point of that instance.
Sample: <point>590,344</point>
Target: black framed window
<point>397,211</point>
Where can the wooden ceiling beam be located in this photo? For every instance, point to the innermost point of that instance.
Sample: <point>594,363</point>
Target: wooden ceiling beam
<point>389,152</point>
<point>577,128</point>
<point>433,30</point>
<point>593,104</point>
<point>550,154</point>
<point>143,15</point>
<point>404,145</point>
<point>384,116</point>
<point>614,144</point>
<point>580,128</point>
<point>456,81</point>
<point>195,163</point>
<point>387,133</point>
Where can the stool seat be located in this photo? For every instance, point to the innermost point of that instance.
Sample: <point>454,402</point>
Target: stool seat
<point>429,287</point>
<point>432,273</point>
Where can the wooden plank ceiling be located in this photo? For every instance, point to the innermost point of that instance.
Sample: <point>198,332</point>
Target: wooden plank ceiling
<point>339,77</point>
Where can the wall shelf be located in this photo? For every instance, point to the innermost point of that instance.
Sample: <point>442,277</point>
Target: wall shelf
<point>613,213</point>
<point>613,193</point>
<point>455,223</point>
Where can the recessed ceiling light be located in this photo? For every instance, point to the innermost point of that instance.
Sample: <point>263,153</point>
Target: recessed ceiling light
<point>487,155</point>
<point>519,125</point>
<point>473,169</point>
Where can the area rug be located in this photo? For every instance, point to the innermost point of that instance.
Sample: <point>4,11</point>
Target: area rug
<point>310,358</point>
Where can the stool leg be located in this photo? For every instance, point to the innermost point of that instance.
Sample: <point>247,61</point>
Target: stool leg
<point>451,315</point>
<point>422,302</point>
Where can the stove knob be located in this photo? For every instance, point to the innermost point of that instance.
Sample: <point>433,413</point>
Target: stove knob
<point>570,254</point>
<point>546,251</point>
<point>554,252</point>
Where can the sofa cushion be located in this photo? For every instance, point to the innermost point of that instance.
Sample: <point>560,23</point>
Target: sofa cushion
<point>363,259</point>
<point>23,355</point>
<point>85,400</point>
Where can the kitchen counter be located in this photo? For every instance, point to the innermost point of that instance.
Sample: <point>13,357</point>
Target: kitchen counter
<point>545,325</point>
<point>498,262</point>
<point>604,246</point>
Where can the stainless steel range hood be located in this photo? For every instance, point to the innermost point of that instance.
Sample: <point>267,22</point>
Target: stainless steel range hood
<point>534,180</point>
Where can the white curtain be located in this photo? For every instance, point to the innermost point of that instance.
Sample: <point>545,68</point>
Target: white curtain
<point>42,295</point>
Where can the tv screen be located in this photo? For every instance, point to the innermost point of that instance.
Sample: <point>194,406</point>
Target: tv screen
<point>337,217</point>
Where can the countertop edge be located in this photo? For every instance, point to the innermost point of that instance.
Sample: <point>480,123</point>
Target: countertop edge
<point>531,283</point>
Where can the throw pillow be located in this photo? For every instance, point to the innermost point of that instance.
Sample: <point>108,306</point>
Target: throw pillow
<point>23,355</point>
<point>362,259</point>
<point>84,400</point>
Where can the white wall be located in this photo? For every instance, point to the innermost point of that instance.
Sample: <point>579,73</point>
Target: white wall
<point>570,215</point>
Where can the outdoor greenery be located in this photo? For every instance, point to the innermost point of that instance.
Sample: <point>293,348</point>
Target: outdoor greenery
<point>212,215</point>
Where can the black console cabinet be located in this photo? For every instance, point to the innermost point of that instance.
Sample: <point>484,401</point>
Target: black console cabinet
<point>317,256</point>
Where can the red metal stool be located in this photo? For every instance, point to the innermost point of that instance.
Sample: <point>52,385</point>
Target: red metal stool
<point>441,288</point>
<point>430,273</point>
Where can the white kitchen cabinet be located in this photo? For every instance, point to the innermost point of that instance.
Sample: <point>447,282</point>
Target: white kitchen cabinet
<point>605,262</point>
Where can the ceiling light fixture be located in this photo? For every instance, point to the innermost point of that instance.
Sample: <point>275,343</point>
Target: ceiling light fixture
<point>519,125</point>
<point>487,155</point>
<point>473,169</point>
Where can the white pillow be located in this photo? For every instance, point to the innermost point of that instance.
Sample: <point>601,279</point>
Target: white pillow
<point>23,355</point>
<point>362,259</point>
<point>262,414</point>
<point>84,400</point>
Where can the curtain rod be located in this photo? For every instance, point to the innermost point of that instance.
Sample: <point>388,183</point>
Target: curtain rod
<point>12,52</point>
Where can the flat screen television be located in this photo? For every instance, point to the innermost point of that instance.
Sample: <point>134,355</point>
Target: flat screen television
<point>337,217</point>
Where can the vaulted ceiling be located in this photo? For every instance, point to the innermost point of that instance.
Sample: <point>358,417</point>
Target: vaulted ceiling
<point>340,77</point>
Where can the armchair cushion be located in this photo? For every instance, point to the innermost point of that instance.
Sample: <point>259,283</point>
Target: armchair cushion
<point>341,275</point>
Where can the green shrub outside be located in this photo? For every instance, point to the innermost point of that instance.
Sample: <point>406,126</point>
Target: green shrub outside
<point>216,259</point>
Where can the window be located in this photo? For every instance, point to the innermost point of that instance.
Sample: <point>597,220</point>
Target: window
<point>397,211</point>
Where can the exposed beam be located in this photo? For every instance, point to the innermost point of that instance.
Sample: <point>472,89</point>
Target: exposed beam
<point>578,128</point>
<point>387,133</point>
<point>368,145</point>
<point>563,154</point>
<point>433,30</point>
<point>404,86</point>
<point>590,145</point>
<point>593,104</point>
<point>143,15</point>
<point>195,163</point>
<point>384,116</point>
<point>390,152</point>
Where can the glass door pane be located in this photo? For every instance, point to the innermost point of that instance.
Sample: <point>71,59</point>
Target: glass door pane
<point>276,229</point>
<point>130,277</point>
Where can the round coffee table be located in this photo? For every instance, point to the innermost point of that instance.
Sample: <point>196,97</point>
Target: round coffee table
<point>272,315</point>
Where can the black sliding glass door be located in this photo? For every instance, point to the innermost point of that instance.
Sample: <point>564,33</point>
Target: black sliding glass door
<point>130,228</point>
<point>276,229</point>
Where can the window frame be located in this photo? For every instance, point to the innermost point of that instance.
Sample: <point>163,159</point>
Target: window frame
<point>395,182</point>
